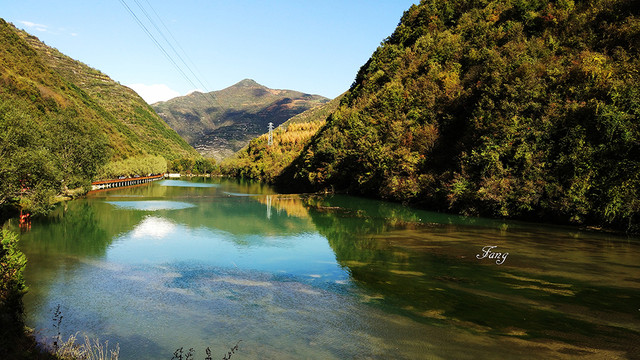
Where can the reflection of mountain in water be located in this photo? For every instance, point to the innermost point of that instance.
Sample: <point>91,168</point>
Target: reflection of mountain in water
<point>78,228</point>
<point>428,272</point>
<point>240,216</point>
<point>73,233</point>
<point>238,208</point>
<point>86,228</point>
<point>291,205</point>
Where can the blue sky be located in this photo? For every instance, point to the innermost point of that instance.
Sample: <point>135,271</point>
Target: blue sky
<point>311,46</point>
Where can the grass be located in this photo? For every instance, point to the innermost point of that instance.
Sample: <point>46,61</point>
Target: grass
<point>72,349</point>
<point>88,349</point>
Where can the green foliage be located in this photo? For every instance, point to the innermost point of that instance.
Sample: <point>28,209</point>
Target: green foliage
<point>511,108</point>
<point>61,122</point>
<point>12,263</point>
<point>140,165</point>
<point>198,166</point>
<point>48,82</point>
<point>204,166</point>
<point>45,156</point>
<point>260,161</point>
<point>12,288</point>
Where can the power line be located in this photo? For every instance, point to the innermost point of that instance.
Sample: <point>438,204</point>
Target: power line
<point>186,55</point>
<point>146,14</point>
<point>161,48</point>
<point>156,42</point>
<point>196,76</point>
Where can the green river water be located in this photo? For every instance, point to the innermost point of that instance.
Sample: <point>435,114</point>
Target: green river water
<point>214,263</point>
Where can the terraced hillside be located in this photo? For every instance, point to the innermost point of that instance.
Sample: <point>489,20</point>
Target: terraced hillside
<point>61,122</point>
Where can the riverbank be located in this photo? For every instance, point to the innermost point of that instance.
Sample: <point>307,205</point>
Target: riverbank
<point>330,190</point>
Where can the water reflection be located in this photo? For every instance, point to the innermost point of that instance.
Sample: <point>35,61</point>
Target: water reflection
<point>240,194</point>
<point>291,205</point>
<point>183,183</point>
<point>556,285</point>
<point>325,277</point>
<point>151,205</point>
<point>154,228</point>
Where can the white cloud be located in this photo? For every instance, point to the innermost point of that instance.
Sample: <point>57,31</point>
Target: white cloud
<point>154,93</point>
<point>33,25</point>
<point>47,29</point>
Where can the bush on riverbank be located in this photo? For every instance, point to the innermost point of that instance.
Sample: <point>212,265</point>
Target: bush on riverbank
<point>87,349</point>
<point>12,288</point>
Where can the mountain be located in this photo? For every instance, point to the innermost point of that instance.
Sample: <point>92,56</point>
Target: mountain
<point>221,122</point>
<point>261,161</point>
<point>132,125</point>
<point>62,121</point>
<point>512,109</point>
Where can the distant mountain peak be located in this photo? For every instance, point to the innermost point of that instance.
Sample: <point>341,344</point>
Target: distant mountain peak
<point>248,83</point>
<point>239,113</point>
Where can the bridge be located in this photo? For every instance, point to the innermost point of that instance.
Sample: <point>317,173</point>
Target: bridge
<point>114,183</point>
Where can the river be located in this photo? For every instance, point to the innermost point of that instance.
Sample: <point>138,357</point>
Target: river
<point>218,263</point>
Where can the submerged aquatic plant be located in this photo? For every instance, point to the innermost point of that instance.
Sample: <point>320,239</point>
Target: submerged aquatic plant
<point>179,354</point>
<point>57,321</point>
<point>71,350</point>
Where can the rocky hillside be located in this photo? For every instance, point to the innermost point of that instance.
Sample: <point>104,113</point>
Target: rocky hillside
<point>522,109</point>
<point>220,123</point>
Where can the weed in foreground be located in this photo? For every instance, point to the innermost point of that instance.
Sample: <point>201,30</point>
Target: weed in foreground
<point>71,349</point>
<point>88,350</point>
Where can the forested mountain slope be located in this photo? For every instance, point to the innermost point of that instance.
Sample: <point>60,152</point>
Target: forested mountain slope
<point>221,122</point>
<point>510,108</point>
<point>62,121</point>
<point>261,161</point>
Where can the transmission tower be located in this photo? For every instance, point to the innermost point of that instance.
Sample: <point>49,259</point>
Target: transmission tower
<point>270,134</point>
